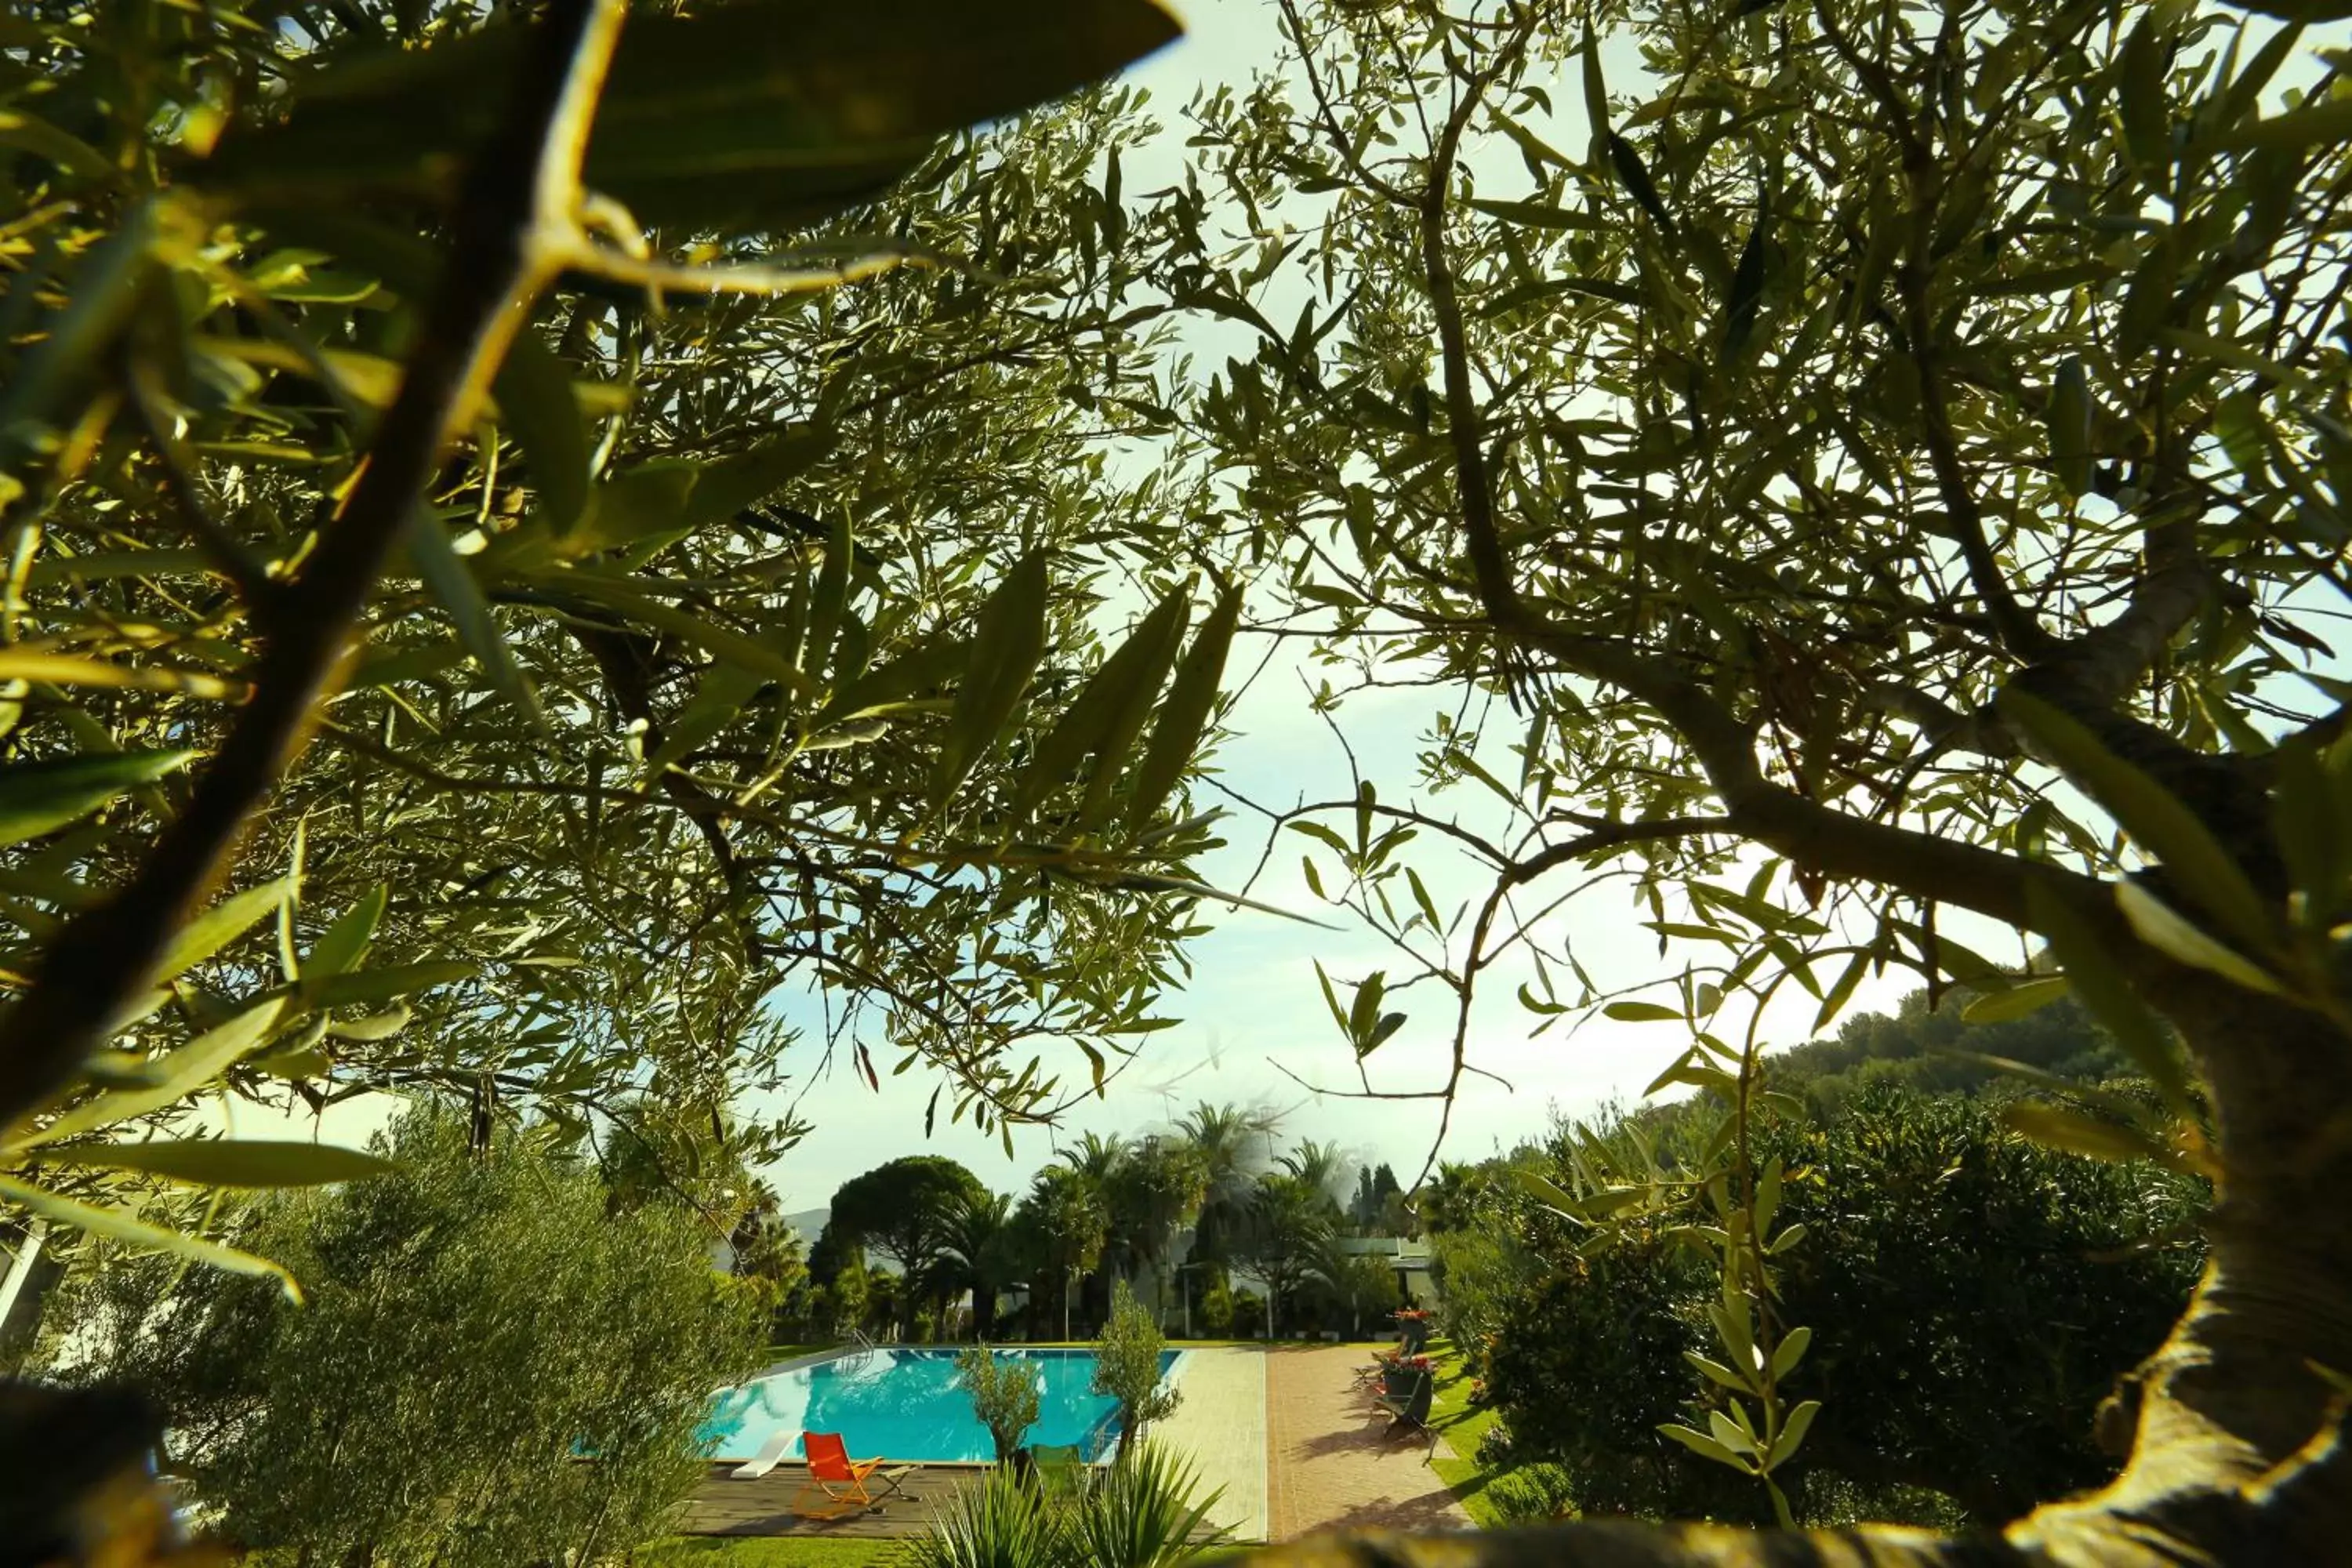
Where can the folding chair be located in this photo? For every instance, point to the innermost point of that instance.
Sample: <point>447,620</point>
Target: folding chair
<point>1396,1381</point>
<point>843,1478</point>
<point>1410,1409</point>
<point>1060,1468</point>
<point>1382,1363</point>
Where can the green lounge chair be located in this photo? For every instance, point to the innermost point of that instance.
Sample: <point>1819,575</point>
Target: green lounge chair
<point>1060,1467</point>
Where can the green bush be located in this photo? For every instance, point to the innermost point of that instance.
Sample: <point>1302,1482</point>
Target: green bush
<point>1214,1313</point>
<point>1126,1367</point>
<point>1003,1394</point>
<point>491,1368</point>
<point>1973,1297</point>
<point>1533,1494</point>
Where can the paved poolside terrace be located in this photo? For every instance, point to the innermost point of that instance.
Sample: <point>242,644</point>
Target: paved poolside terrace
<point>1282,1430</point>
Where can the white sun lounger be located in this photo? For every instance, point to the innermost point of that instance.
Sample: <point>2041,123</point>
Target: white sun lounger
<point>770,1453</point>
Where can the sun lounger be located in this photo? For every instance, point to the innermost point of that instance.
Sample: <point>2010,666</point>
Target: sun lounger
<point>770,1453</point>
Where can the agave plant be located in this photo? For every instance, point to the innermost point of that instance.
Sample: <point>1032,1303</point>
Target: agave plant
<point>1139,1513</point>
<point>1142,1513</point>
<point>998,1523</point>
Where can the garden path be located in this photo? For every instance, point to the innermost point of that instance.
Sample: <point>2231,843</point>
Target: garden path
<point>1220,1425</point>
<point>1331,1465</point>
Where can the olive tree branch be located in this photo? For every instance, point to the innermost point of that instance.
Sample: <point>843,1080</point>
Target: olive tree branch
<point>520,190</point>
<point>1820,837</point>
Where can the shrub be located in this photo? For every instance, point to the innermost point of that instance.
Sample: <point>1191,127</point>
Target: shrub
<point>1004,1392</point>
<point>1532,1494</point>
<point>476,1326</point>
<point>1126,1367</point>
<point>1972,1297</point>
<point>1215,1310</point>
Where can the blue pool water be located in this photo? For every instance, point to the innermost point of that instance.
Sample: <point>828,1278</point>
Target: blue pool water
<point>897,1404</point>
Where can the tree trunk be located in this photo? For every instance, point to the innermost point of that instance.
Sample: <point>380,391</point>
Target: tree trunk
<point>2237,1445</point>
<point>2239,1454</point>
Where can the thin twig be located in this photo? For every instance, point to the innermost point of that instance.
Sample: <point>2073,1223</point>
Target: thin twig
<point>221,548</point>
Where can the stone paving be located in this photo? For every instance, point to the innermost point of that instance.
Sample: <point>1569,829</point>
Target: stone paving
<point>1332,1465</point>
<point>1220,1425</point>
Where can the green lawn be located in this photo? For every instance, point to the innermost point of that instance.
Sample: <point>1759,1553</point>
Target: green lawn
<point>788,1352</point>
<point>1450,1413</point>
<point>755,1552</point>
<point>1462,1427</point>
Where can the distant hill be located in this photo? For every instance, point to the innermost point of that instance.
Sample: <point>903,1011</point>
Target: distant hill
<point>1914,1048</point>
<point>808,1224</point>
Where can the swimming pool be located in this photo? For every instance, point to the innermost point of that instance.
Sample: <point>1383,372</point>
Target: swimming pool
<point>895,1403</point>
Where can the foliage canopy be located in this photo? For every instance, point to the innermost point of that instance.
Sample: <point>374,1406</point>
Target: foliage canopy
<point>1876,461</point>
<point>474,1325</point>
<point>548,628</point>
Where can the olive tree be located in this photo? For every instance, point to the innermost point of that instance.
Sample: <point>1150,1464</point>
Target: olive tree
<point>497,611</point>
<point>490,1367</point>
<point>1003,1391</point>
<point>1874,466</point>
<point>1127,1368</point>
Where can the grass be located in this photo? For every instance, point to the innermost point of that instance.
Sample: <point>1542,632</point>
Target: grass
<point>758,1552</point>
<point>1450,1412</point>
<point>787,1352</point>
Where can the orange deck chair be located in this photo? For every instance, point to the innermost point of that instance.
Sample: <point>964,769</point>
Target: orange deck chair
<point>843,1478</point>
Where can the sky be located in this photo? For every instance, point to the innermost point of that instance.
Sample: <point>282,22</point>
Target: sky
<point>1255,1029</point>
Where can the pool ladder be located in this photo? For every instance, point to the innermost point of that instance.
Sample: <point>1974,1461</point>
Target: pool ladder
<point>860,1355</point>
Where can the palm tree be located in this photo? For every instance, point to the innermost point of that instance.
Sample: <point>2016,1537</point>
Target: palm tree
<point>1061,1224</point>
<point>1289,1222</point>
<point>1151,1192</point>
<point>1095,1157</point>
<point>1450,1200</point>
<point>973,1237</point>
<point>1357,1282</point>
<point>1095,1160</point>
<point>1320,1165</point>
<point>1225,1139</point>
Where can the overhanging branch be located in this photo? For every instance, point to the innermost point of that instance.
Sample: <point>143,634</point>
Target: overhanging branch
<point>527,171</point>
